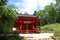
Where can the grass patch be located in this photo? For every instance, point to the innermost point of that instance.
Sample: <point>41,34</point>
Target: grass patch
<point>52,28</point>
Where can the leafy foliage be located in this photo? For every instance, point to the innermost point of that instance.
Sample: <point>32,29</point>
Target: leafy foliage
<point>52,28</point>
<point>6,19</point>
<point>25,13</point>
<point>49,15</point>
<point>3,2</point>
<point>11,37</point>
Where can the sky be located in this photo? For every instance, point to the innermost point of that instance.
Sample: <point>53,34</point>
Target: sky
<point>30,6</point>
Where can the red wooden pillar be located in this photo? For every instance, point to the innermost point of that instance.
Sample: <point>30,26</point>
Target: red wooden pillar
<point>17,24</point>
<point>21,23</point>
<point>33,26</point>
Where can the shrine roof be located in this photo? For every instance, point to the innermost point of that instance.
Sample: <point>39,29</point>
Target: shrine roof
<point>21,15</point>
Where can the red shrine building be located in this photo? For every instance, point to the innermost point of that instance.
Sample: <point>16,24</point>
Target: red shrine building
<point>27,24</point>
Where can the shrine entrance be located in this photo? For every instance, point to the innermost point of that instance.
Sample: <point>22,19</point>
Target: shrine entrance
<point>26,24</point>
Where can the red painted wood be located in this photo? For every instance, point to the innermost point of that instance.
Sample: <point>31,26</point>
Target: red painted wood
<point>20,24</point>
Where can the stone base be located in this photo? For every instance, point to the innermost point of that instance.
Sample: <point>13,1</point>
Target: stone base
<point>41,36</point>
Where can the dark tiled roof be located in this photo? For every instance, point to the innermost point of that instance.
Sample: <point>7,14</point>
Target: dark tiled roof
<point>21,15</point>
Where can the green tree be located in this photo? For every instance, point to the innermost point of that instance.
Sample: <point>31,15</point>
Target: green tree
<point>7,18</point>
<point>25,13</point>
<point>58,10</point>
<point>14,8</point>
<point>48,15</point>
<point>3,2</point>
<point>35,12</point>
<point>51,10</point>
